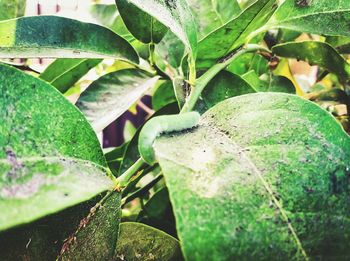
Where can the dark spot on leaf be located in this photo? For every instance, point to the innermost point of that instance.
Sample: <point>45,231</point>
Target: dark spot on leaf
<point>303,3</point>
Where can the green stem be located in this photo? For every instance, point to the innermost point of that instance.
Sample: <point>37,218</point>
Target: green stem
<point>125,178</point>
<point>192,70</point>
<point>152,59</point>
<point>202,81</point>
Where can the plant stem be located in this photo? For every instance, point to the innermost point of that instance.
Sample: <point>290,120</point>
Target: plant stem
<point>202,81</point>
<point>124,179</point>
<point>152,53</point>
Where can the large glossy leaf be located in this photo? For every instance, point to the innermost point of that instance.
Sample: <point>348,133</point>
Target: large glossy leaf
<point>58,37</point>
<point>176,15</point>
<point>112,94</point>
<point>141,242</point>
<point>263,177</point>
<point>11,9</point>
<point>210,15</point>
<point>142,25</point>
<point>30,186</point>
<point>64,73</point>
<point>50,162</point>
<point>37,121</point>
<point>316,53</point>
<point>316,16</point>
<point>234,33</point>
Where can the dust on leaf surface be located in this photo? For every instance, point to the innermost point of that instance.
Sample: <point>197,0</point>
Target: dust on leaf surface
<point>263,176</point>
<point>37,121</point>
<point>31,188</point>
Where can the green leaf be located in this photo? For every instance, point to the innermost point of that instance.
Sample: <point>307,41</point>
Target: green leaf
<point>163,96</point>
<point>143,26</point>
<point>340,43</point>
<point>316,53</point>
<point>175,15</point>
<point>269,83</point>
<point>64,73</point>
<point>234,33</point>
<point>37,121</point>
<point>50,161</point>
<point>42,240</point>
<point>11,9</point>
<point>223,86</point>
<point>58,37</point>
<point>141,242</point>
<point>30,186</point>
<point>115,157</point>
<point>317,16</point>
<point>96,236</point>
<point>158,213</point>
<point>108,16</point>
<point>210,15</point>
<point>111,95</point>
<point>171,50</point>
<point>261,177</point>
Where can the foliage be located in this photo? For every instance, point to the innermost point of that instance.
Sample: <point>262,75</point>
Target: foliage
<point>240,157</point>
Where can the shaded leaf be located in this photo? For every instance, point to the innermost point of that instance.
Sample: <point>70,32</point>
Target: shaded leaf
<point>261,177</point>
<point>96,236</point>
<point>269,83</point>
<point>141,242</point>
<point>158,212</point>
<point>112,94</point>
<point>73,38</point>
<point>163,96</point>
<point>64,73</point>
<point>42,239</point>
<point>340,43</point>
<point>143,26</point>
<point>115,157</point>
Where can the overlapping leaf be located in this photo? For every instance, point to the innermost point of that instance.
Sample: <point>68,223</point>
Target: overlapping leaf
<point>262,176</point>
